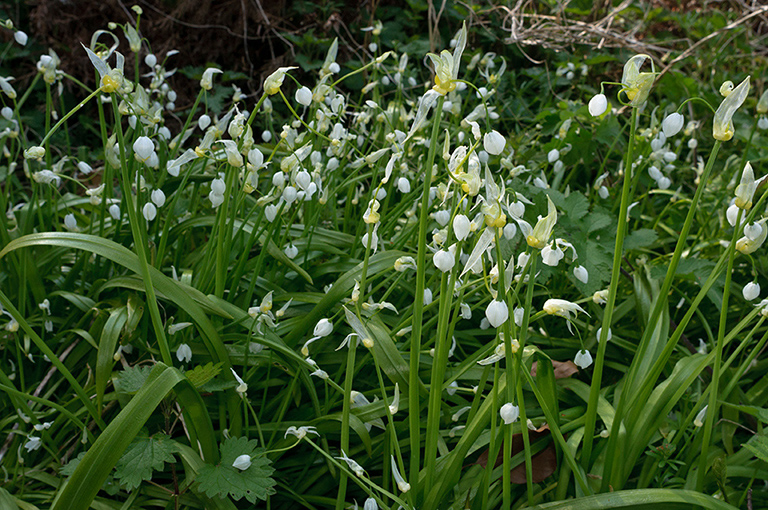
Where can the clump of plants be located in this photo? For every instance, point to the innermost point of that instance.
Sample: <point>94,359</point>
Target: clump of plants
<point>393,297</point>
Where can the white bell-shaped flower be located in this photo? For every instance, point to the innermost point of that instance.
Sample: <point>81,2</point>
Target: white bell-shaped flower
<point>184,353</point>
<point>581,274</point>
<point>494,142</point>
<point>149,211</point>
<point>597,105</point>
<point>444,260</point>
<point>158,197</point>
<point>461,227</point>
<point>304,96</point>
<point>509,413</point>
<point>672,124</point>
<point>553,155</point>
<point>143,148</point>
<point>751,291</point>
<point>497,313</point>
<point>583,359</point>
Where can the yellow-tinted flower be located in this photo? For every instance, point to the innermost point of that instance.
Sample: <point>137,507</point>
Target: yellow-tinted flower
<point>722,128</point>
<point>637,85</point>
<point>447,65</point>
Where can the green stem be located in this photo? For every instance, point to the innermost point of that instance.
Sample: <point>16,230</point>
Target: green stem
<point>594,392</point>
<point>714,386</point>
<point>418,309</point>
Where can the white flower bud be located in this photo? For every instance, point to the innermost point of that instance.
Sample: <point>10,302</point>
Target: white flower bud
<point>84,168</point>
<point>20,37</point>
<point>553,155</point>
<point>203,122</point>
<point>732,214</point>
<point>509,413</point>
<point>403,185</point>
<point>581,274</point>
<point>7,113</point>
<point>597,105</point>
<point>114,211</point>
<point>444,260</point>
<point>143,148</point>
<point>291,251</point>
<point>242,463</point>
<point>206,82</point>
<point>150,60</point>
<point>427,297</point>
<point>270,212</point>
<point>184,353</point>
<point>70,223</point>
<point>324,327</point>
<point>753,231</point>
<point>461,226</point>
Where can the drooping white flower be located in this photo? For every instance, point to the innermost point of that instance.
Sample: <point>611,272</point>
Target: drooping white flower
<point>746,188</point>
<point>444,260</point>
<point>494,142</point>
<point>699,420</point>
<point>751,291</point>
<point>158,197</point>
<point>242,462</point>
<point>583,359</point>
<point>184,353</point>
<point>70,223</point>
<point>599,334</point>
<point>497,313</point>
<point>509,413</point>
<point>581,274</point>
<point>461,227</point>
<point>206,82</point>
<point>304,96</point>
<point>399,480</point>
<point>33,443</point>
<point>562,308</point>
<point>21,37</point>
<point>672,124</point>
<point>149,211</point>
<point>275,80</point>
<point>356,468</point>
<point>637,85</point>
<point>300,432</point>
<point>597,105</point>
<point>242,387</point>
<point>143,148</point>
<point>553,155</point>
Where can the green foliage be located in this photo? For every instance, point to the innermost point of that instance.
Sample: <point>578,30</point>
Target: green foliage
<point>224,480</point>
<point>143,456</point>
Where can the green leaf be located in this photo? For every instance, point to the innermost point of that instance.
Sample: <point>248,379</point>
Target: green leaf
<point>131,379</point>
<point>759,446</point>
<point>69,468</point>
<point>222,480</point>
<point>202,374</point>
<point>143,456</point>
<point>641,499</point>
<point>641,238</point>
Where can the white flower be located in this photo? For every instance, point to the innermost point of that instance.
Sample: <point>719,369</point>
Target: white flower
<point>562,308</point>
<point>33,443</point>
<point>300,432</point>
<point>370,503</point>
<point>722,127</point>
<point>84,167</point>
<point>184,353</point>
<point>494,143</point>
<point>581,274</point>
<point>637,85</point>
<point>444,260</point>
<point>158,197</point>
<point>732,214</point>
<point>509,413</point>
<point>7,88</point>
<point>746,188</point>
<point>34,152</point>
<point>753,231</point>
<point>403,185</point>
<point>114,211</point>
<point>143,148</point>
<point>751,291</point>
<point>461,227</point>
<point>583,359</point>
<point>275,80</point>
<point>597,105</point>
<point>600,297</point>
<point>242,463</point>
<point>304,96</point>
<point>672,124</point>
<point>699,420</point>
<point>20,37</point>
<point>399,480</point>
<point>149,211</point>
<point>241,386</point>
<point>497,313</point>
<point>553,155</point>
<point>447,65</point>
<point>175,328</point>
<point>599,333</point>
<point>552,256</point>
<point>354,466</point>
<point>70,223</point>
<point>206,82</point>
<point>395,405</point>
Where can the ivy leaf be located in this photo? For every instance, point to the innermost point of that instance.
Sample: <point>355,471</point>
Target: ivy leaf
<point>253,483</point>
<point>143,456</point>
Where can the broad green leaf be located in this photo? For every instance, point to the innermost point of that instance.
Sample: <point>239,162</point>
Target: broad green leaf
<point>7,502</point>
<point>641,238</point>
<point>225,480</point>
<point>143,456</point>
<point>131,379</point>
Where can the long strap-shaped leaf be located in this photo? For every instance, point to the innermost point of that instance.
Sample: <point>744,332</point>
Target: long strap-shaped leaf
<point>185,297</point>
<point>93,469</point>
<point>641,499</point>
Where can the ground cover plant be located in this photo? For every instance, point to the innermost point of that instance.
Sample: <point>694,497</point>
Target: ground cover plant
<point>379,284</point>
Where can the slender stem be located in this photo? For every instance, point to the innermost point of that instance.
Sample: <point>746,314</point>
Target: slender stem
<point>594,392</point>
<point>715,384</point>
<point>414,420</point>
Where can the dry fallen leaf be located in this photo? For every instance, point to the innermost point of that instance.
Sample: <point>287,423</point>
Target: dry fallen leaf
<point>563,369</point>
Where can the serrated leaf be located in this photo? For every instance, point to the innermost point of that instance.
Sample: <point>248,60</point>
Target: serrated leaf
<point>224,480</point>
<point>202,374</point>
<point>69,468</point>
<point>758,445</point>
<point>131,379</point>
<point>143,456</point>
<point>641,238</point>
<point>217,384</point>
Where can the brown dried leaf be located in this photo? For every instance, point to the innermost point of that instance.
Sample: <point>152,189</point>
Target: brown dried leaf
<point>563,369</point>
<point>543,464</point>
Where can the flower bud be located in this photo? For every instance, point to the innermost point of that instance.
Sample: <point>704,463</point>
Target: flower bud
<point>206,82</point>
<point>304,96</point>
<point>583,359</point>
<point>143,148</point>
<point>444,260</point>
<point>494,143</point>
<point>497,313</point>
<point>597,105</point>
<point>509,413</point>
<point>581,274</point>
<point>242,463</point>
<point>751,291</point>
<point>672,124</point>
